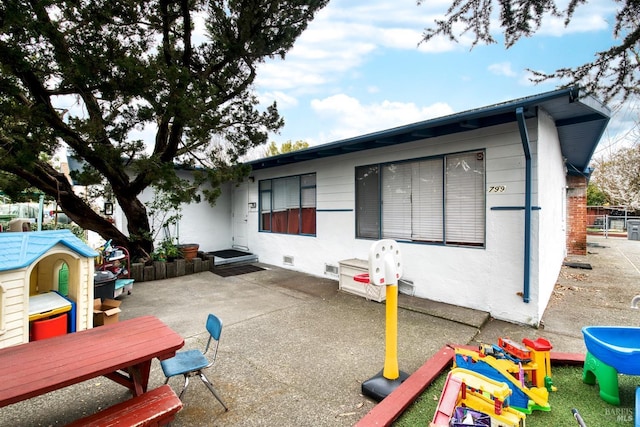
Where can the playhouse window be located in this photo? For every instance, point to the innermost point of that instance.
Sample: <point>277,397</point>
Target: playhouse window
<point>288,205</point>
<point>435,200</point>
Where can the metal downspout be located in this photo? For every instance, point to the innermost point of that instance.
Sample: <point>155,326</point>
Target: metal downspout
<point>524,136</point>
<point>41,211</point>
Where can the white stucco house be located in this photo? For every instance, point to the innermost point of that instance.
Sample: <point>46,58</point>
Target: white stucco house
<point>485,204</point>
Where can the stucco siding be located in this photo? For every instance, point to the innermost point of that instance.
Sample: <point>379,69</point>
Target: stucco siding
<point>552,229</point>
<point>488,278</point>
<point>335,220</point>
<point>209,226</point>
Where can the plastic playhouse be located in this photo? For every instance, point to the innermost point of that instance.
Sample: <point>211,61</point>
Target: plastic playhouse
<point>46,285</point>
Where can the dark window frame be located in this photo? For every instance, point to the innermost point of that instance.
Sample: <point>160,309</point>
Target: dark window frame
<point>288,205</point>
<point>461,193</point>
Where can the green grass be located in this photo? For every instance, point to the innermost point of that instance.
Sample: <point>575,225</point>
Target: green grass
<point>572,393</point>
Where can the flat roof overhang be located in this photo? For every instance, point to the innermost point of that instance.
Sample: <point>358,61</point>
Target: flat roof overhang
<point>581,123</point>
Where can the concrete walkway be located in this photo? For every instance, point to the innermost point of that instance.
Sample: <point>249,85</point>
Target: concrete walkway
<point>294,350</point>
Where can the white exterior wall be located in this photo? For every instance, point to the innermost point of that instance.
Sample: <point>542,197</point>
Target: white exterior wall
<point>553,215</point>
<point>209,226</point>
<point>489,279</point>
<point>504,275</point>
<point>335,220</point>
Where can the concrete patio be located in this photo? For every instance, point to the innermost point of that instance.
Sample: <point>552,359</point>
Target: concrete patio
<point>295,350</point>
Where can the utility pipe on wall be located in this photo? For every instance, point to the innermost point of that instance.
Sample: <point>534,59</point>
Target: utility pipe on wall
<point>526,146</point>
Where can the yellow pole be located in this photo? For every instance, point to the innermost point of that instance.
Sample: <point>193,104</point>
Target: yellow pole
<point>391,370</point>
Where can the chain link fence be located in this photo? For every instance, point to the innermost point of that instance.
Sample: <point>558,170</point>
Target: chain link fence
<point>610,221</point>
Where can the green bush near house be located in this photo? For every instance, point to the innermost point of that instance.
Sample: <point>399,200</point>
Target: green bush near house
<point>166,250</point>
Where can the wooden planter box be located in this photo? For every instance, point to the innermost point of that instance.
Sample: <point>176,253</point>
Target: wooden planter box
<point>166,270</point>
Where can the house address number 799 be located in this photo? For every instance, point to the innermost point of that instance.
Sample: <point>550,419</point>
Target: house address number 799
<point>497,188</point>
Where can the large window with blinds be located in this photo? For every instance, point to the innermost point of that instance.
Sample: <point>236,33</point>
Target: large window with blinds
<point>433,200</point>
<point>288,205</point>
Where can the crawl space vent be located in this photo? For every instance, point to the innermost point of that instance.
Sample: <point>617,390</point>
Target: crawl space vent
<point>405,287</point>
<point>331,269</point>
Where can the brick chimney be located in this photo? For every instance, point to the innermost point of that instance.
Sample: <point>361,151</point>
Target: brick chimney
<point>576,215</point>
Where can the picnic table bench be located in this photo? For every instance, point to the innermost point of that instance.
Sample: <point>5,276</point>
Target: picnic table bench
<point>157,407</point>
<point>121,352</point>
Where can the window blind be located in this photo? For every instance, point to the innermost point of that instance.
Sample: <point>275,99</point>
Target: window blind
<point>464,198</point>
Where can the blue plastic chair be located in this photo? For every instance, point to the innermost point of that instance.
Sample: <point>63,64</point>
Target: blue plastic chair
<point>190,363</point>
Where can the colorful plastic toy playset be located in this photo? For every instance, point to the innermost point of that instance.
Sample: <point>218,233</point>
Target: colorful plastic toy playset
<point>496,385</point>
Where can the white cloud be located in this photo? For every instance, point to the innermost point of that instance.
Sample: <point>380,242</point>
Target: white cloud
<point>385,13</point>
<point>591,17</point>
<point>586,19</point>
<point>307,67</point>
<point>343,36</point>
<point>441,44</point>
<point>525,79</point>
<point>399,38</point>
<point>502,69</point>
<point>284,101</point>
<point>352,118</point>
<point>330,62</point>
<point>275,77</point>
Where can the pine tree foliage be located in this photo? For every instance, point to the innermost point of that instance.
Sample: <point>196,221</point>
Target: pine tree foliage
<point>92,74</point>
<point>614,73</point>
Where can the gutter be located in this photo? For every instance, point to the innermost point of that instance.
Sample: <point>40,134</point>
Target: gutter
<point>526,146</point>
<point>411,132</point>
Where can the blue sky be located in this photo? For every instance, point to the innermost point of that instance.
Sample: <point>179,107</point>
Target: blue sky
<point>359,68</point>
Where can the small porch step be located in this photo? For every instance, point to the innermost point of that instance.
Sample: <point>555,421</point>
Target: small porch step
<point>232,256</point>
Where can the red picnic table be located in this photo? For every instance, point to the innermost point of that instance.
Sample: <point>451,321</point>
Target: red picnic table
<point>121,351</point>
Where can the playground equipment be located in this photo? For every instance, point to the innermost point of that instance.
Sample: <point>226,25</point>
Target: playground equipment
<point>533,358</point>
<point>385,268</point>
<point>473,390</point>
<point>540,366</point>
<point>467,417</point>
<point>611,350</point>
<point>448,401</point>
<point>523,398</point>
